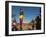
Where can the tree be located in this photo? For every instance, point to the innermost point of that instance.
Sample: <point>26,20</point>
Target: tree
<point>21,17</point>
<point>14,28</point>
<point>38,20</point>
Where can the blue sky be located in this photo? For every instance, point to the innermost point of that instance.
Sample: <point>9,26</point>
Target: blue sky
<point>29,13</point>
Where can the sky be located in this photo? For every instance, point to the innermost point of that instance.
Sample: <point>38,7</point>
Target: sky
<point>30,13</point>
